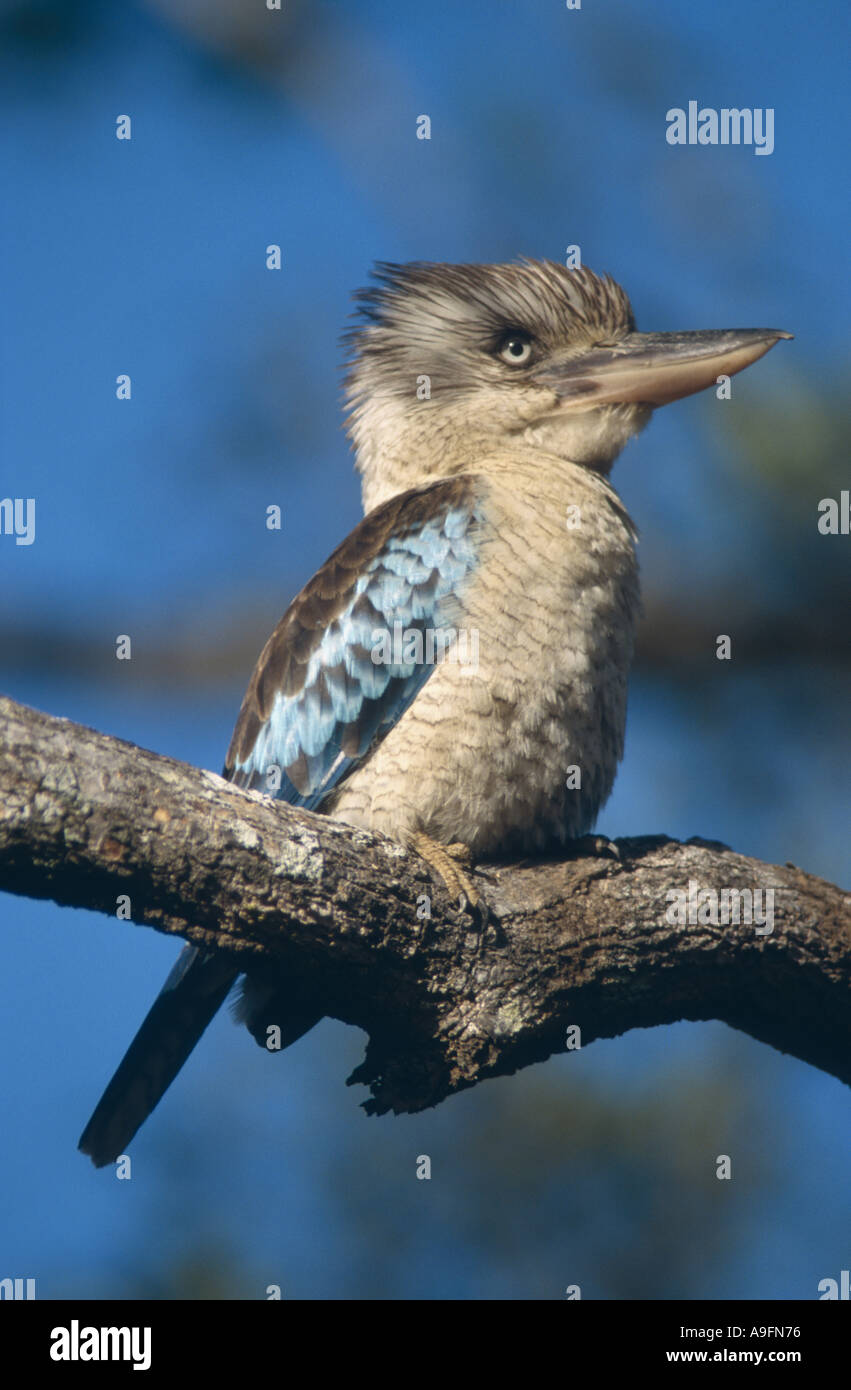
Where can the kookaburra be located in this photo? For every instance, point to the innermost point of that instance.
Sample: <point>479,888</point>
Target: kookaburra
<point>455,675</point>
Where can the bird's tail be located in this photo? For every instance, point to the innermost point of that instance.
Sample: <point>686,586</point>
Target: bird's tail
<point>193,993</point>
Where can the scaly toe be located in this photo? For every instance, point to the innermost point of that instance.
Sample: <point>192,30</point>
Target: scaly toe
<point>461,853</point>
<point>444,860</point>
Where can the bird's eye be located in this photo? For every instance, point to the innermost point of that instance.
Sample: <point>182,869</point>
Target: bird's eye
<point>515,349</point>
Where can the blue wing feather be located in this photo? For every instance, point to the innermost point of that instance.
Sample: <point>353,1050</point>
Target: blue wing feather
<point>403,570</point>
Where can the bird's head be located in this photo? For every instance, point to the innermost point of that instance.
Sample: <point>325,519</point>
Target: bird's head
<point>449,362</point>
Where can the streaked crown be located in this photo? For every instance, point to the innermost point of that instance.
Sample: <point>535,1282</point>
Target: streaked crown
<point>449,321</point>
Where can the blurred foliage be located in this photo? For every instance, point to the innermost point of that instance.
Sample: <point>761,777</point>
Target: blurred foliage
<point>47,28</point>
<point>803,461</point>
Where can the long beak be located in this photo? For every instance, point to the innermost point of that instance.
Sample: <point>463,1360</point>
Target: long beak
<point>654,368</point>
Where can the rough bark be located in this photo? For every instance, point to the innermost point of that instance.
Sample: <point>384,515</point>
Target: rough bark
<point>447,999</point>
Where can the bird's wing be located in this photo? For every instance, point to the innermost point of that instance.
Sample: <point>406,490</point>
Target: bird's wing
<point>316,705</point>
<point>329,685</point>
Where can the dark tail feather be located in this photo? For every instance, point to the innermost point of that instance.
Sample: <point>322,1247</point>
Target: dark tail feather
<point>282,1005</point>
<point>191,996</point>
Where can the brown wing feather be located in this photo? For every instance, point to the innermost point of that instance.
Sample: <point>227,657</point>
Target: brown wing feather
<point>283,661</point>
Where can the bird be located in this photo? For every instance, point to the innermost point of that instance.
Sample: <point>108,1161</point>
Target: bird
<point>455,675</point>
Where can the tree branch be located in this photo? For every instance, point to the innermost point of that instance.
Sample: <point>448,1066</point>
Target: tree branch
<point>447,999</point>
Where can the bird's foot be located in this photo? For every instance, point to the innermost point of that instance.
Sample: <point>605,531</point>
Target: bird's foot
<point>599,845</point>
<point>449,861</point>
<point>461,853</point>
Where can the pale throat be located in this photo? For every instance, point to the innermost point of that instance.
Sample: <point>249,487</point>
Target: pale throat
<point>396,451</point>
<point>594,438</point>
